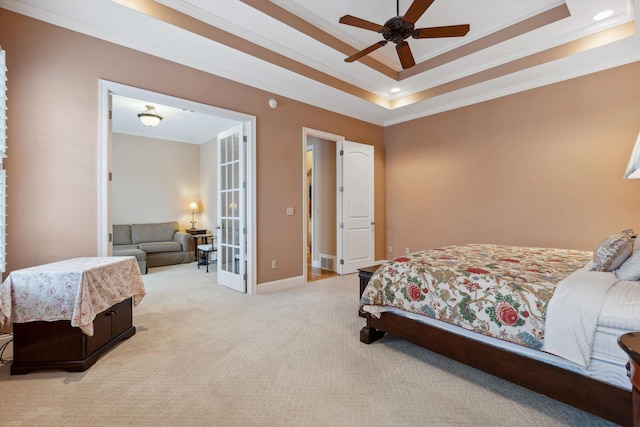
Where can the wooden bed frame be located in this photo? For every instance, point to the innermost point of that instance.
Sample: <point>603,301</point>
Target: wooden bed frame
<point>601,399</point>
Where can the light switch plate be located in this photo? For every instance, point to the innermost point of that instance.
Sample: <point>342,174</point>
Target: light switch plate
<point>289,211</point>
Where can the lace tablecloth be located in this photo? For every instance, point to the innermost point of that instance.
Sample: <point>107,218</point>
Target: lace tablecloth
<point>76,289</point>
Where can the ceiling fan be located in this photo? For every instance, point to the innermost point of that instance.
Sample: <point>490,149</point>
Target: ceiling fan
<point>399,28</point>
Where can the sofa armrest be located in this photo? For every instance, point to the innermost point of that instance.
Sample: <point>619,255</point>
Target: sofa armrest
<point>185,239</point>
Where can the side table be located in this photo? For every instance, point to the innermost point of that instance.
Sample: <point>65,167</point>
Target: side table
<point>193,231</point>
<point>630,343</point>
<point>205,245</point>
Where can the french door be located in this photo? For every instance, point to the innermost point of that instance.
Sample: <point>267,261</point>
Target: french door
<point>232,198</point>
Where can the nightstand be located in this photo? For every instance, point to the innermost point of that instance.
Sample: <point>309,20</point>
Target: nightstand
<point>630,343</point>
<point>365,274</point>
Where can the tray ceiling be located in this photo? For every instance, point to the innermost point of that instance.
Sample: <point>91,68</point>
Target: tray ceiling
<point>296,48</point>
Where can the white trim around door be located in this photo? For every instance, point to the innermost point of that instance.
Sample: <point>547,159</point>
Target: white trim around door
<point>106,89</point>
<point>306,133</point>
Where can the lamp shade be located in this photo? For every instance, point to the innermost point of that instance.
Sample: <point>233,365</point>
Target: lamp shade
<point>633,168</point>
<point>193,206</point>
<point>150,116</point>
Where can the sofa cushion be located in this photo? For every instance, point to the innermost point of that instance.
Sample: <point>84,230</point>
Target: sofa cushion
<point>130,251</point>
<point>124,247</point>
<point>154,247</point>
<point>122,234</point>
<point>160,232</point>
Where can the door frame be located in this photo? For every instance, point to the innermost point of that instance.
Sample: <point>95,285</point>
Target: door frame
<point>307,132</point>
<point>105,90</point>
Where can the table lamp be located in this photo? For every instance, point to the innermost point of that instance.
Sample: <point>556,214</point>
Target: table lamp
<point>193,207</point>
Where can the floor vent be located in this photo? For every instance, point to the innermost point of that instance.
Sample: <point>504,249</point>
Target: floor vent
<point>327,262</point>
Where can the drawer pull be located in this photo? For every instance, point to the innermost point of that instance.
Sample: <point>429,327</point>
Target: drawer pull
<point>112,312</point>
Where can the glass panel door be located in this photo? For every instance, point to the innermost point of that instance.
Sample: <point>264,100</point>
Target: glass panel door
<point>231,209</point>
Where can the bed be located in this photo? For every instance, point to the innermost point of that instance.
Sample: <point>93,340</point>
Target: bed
<point>550,317</point>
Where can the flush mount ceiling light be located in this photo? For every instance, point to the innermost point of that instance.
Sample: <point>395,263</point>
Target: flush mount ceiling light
<point>150,116</point>
<point>603,15</point>
<point>395,89</point>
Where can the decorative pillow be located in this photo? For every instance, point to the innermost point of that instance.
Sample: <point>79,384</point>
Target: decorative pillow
<point>613,251</point>
<point>630,269</point>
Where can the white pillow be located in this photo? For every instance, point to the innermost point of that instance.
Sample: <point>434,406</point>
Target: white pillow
<point>630,269</point>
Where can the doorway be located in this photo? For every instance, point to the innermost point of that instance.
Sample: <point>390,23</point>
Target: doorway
<point>106,90</point>
<point>320,228</point>
<point>321,208</point>
<point>352,188</point>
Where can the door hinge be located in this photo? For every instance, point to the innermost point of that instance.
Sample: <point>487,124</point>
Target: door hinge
<point>244,138</point>
<point>341,262</point>
<point>244,184</point>
<point>244,230</point>
<point>110,115</point>
<point>342,152</point>
<point>110,176</point>
<point>342,225</point>
<point>244,277</point>
<point>341,189</point>
<point>110,237</point>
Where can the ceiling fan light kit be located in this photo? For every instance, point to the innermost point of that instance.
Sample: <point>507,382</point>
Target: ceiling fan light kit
<point>399,28</point>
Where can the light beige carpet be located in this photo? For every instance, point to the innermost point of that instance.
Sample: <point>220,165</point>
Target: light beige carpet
<point>204,355</point>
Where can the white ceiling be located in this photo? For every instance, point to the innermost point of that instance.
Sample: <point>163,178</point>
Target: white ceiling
<point>178,124</point>
<point>292,53</point>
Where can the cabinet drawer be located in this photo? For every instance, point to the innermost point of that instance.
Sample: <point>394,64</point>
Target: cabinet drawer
<point>109,324</point>
<point>122,317</point>
<point>101,333</point>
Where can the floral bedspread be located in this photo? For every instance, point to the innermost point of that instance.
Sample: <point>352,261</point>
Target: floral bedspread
<point>499,291</point>
<point>76,290</point>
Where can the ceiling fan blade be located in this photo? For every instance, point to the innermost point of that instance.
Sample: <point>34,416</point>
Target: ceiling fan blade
<point>436,32</point>
<point>415,11</point>
<point>360,23</point>
<point>405,55</point>
<point>366,51</point>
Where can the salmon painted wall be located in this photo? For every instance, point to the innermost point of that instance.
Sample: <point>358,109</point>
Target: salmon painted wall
<point>53,143</point>
<point>540,168</point>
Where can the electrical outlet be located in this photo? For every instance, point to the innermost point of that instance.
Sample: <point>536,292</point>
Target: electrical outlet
<point>274,264</point>
<point>406,251</point>
<point>390,249</point>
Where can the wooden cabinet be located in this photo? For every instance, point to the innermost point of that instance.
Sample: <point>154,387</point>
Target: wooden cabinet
<point>58,345</point>
<point>630,343</point>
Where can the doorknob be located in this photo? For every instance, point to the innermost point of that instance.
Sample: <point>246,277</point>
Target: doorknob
<point>373,223</point>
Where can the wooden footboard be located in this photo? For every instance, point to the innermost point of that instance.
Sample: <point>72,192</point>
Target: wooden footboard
<point>604,400</point>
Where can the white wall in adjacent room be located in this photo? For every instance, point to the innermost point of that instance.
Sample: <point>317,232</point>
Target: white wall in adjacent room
<point>208,218</point>
<point>153,180</point>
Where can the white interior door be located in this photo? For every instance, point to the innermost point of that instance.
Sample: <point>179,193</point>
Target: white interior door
<point>356,222</point>
<point>231,230</point>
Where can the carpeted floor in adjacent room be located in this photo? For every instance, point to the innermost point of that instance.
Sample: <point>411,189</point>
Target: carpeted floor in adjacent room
<point>204,355</point>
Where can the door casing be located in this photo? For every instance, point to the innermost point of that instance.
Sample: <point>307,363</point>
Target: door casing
<point>105,90</point>
<point>339,140</point>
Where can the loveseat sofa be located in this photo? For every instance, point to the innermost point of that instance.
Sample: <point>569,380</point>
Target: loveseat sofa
<point>153,245</point>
